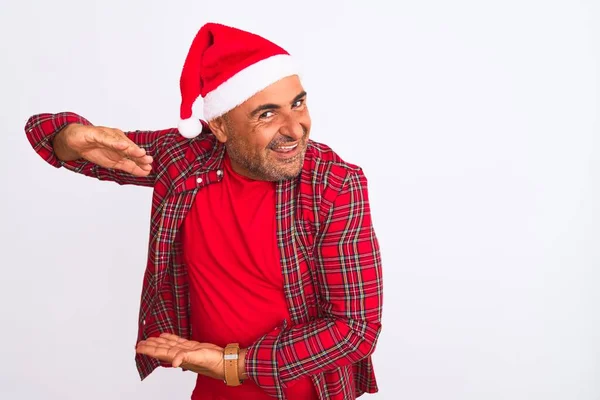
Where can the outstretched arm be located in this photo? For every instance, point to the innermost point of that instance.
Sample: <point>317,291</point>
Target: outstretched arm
<point>71,141</point>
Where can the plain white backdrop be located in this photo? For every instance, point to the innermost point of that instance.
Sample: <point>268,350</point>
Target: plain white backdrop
<point>476,123</point>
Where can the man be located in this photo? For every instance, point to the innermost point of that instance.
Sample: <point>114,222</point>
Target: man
<point>263,273</point>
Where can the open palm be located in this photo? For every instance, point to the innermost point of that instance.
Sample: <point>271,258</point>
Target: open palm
<point>202,358</point>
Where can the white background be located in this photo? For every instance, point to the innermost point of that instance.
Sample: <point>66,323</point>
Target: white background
<point>476,123</point>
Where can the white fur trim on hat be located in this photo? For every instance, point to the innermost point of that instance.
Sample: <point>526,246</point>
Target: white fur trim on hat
<point>247,83</point>
<point>190,127</point>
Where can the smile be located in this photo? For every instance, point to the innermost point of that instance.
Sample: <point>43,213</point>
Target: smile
<point>285,149</point>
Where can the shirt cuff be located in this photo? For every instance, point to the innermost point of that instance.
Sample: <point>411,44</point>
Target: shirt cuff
<point>262,362</point>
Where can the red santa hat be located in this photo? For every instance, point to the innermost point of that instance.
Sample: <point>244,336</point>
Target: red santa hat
<point>225,67</point>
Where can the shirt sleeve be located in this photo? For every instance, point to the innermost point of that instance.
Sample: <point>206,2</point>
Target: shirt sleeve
<point>349,276</point>
<point>42,128</point>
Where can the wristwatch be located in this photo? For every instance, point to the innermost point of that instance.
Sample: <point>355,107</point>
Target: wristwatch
<point>231,360</point>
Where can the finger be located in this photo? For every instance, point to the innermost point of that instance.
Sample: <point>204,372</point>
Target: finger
<point>148,349</point>
<point>143,160</point>
<point>133,150</point>
<point>184,342</point>
<point>143,165</point>
<point>115,143</point>
<point>151,343</point>
<point>170,336</point>
<point>125,147</point>
<point>161,342</point>
<point>180,344</point>
<point>179,341</point>
<point>173,337</point>
<point>161,353</point>
<point>131,167</point>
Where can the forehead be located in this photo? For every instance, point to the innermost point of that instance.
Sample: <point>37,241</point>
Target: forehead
<point>280,93</point>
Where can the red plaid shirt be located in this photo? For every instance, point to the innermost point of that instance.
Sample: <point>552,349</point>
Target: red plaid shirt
<point>330,258</point>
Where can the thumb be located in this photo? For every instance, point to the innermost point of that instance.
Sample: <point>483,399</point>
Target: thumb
<point>178,359</point>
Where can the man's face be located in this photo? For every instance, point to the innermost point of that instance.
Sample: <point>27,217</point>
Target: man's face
<point>266,136</point>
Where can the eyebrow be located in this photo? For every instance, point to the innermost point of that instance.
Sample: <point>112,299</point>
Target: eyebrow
<point>271,106</point>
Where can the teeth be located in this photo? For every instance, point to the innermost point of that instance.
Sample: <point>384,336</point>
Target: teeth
<point>286,147</point>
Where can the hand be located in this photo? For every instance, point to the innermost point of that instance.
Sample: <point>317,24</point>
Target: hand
<point>202,358</point>
<point>106,147</point>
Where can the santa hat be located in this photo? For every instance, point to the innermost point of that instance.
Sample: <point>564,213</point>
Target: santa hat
<point>225,67</point>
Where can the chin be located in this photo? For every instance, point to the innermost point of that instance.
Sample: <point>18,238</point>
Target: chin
<point>285,173</point>
<point>280,170</point>
<point>293,168</point>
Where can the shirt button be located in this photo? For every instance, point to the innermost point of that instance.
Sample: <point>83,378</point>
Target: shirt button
<point>199,180</point>
<point>219,172</point>
<point>144,322</point>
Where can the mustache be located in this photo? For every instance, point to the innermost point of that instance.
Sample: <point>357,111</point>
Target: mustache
<point>286,139</point>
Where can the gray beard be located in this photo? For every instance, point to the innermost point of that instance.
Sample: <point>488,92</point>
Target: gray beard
<point>260,170</point>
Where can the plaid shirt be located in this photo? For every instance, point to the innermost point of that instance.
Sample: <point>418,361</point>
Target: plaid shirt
<point>330,258</point>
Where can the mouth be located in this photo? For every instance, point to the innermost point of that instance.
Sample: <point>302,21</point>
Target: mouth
<point>287,152</point>
<point>283,149</point>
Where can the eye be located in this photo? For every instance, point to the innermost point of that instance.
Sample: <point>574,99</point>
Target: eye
<point>298,103</point>
<point>266,115</point>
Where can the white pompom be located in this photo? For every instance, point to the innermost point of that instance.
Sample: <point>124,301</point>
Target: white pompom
<point>190,127</point>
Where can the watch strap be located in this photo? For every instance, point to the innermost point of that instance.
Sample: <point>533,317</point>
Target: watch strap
<point>231,362</point>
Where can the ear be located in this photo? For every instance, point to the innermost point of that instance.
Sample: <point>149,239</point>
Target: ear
<point>218,128</point>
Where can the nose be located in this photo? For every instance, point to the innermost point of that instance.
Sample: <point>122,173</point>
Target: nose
<point>292,128</point>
